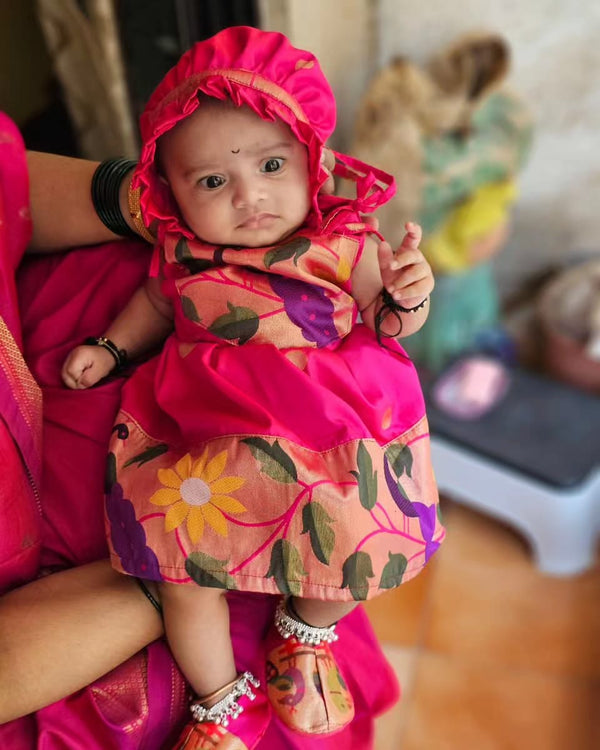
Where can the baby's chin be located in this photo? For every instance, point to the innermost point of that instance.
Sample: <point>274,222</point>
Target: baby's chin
<point>255,239</point>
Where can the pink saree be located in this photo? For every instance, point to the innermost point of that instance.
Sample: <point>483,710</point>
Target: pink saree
<point>56,302</point>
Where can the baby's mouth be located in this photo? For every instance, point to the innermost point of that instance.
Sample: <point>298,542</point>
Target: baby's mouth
<point>257,221</point>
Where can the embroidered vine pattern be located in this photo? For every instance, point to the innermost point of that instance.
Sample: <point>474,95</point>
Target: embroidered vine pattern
<point>285,562</point>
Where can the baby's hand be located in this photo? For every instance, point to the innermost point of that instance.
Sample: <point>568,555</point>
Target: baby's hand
<point>87,365</point>
<point>405,273</point>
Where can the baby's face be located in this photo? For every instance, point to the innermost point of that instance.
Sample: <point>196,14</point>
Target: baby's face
<point>237,179</point>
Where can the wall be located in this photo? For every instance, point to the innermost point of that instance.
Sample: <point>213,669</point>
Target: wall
<point>341,34</point>
<point>556,68</point>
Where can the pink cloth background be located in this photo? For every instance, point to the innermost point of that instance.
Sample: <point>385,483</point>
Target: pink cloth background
<point>62,299</point>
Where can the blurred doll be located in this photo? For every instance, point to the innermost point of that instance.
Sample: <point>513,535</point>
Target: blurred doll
<point>455,141</point>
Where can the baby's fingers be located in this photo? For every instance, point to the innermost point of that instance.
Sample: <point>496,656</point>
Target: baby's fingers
<point>84,367</point>
<point>71,376</point>
<point>385,255</point>
<point>413,236</point>
<point>385,258</point>
<point>412,281</point>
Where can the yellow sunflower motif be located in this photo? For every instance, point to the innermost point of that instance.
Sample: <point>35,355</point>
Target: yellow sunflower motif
<point>198,494</point>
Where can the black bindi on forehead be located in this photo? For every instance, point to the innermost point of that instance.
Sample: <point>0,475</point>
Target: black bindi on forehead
<point>236,151</point>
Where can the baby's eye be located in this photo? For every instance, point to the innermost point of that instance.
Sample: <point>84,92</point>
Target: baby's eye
<point>272,165</point>
<point>212,182</point>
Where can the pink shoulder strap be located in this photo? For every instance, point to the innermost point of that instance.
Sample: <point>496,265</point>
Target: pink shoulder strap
<point>374,187</point>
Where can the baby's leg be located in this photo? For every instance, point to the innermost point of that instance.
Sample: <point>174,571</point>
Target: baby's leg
<point>320,614</point>
<point>230,710</point>
<point>197,628</point>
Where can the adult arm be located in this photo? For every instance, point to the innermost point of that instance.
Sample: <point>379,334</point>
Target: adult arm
<point>62,211</point>
<point>61,206</point>
<point>62,632</point>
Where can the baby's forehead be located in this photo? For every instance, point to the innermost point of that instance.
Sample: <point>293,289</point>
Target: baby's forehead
<point>226,110</point>
<point>220,128</point>
<point>215,118</point>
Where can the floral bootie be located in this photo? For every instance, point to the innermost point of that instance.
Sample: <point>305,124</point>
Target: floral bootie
<point>304,684</point>
<point>236,722</point>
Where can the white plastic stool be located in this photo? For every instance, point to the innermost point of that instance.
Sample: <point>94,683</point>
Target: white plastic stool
<point>562,524</point>
<point>532,460</point>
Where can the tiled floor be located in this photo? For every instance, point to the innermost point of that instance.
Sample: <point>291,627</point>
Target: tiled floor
<point>491,655</point>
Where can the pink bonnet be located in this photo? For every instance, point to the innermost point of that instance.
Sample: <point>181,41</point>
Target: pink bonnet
<point>259,69</point>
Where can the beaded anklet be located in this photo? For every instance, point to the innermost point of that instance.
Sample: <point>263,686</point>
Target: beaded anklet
<point>228,707</point>
<point>287,626</point>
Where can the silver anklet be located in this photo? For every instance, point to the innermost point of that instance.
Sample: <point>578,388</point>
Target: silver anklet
<point>228,707</point>
<point>288,626</point>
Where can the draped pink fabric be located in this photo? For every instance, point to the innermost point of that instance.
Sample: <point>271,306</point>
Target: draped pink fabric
<point>20,398</point>
<point>62,299</point>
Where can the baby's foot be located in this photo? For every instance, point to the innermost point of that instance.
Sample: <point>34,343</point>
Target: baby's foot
<point>304,684</point>
<point>235,722</point>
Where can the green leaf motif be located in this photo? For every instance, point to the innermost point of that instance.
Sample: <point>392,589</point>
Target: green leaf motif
<point>148,455</point>
<point>110,472</point>
<point>208,571</point>
<point>182,250</point>
<point>355,572</point>
<point>239,323</point>
<point>400,458</point>
<point>292,249</point>
<point>189,309</point>
<point>367,479</point>
<point>315,521</point>
<point>393,571</point>
<point>185,257</point>
<point>286,567</point>
<point>274,461</point>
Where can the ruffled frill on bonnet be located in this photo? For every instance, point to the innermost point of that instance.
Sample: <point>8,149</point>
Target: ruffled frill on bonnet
<point>251,67</point>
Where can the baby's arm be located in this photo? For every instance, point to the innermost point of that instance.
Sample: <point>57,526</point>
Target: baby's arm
<point>405,274</point>
<point>145,322</point>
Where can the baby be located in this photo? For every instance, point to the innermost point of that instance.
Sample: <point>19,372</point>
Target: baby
<point>276,444</point>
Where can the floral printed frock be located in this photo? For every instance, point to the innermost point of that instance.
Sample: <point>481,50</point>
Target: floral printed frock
<point>274,445</point>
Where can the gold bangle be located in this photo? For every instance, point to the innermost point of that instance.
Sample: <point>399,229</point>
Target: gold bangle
<point>133,204</point>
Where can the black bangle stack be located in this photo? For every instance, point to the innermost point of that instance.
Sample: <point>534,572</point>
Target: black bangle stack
<point>119,355</point>
<point>106,185</point>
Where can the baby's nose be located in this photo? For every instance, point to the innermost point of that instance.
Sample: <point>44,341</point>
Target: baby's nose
<point>246,193</point>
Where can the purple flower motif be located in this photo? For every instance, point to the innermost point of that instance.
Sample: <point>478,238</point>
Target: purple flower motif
<point>129,538</point>
<point>427,516</point>
<point>308,307</point>
<point>403,503</point>
<point>425,513</point>
<point>430,549</point>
